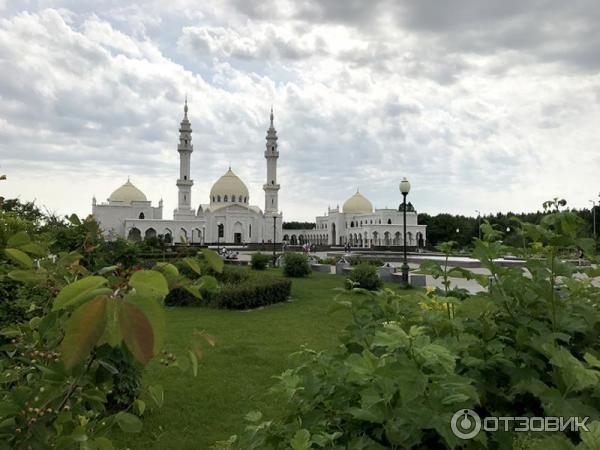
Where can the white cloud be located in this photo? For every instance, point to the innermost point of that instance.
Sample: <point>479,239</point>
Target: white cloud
<point>89,101</point>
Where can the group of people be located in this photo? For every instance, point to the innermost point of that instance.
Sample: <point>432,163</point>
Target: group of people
<point>308,248</point>
<point>228,254</point>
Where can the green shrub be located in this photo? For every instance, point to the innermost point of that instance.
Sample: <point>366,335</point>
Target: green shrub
<point>233,275</point>
<point>364,276</point>
<point>254,292</point>
<point>528,347</point>
<point>260,261</point>
<point>295,265</point>
<point>357,260</point>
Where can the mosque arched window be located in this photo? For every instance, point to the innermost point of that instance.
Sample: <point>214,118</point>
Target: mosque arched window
<point>389,221</point>
<point>361,223</point>
<point>219,198</point>
<point>245,200</point>
<point>225,199</point>
<point>379,221</point>
<point>352,224</point>
<point>240,199</point>
<point>371,222</point>
<point>142,215</point>
<point>213,198</point>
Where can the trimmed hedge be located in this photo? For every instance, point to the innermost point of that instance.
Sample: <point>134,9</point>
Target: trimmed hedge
<point>260,261</point>
<point>240,289</point>
<point>253,293</point>
<point>295,265</point>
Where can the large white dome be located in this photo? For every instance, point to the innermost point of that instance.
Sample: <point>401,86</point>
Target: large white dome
<point>357,204</point>
<point>127,193</point>
<point>229,189</point>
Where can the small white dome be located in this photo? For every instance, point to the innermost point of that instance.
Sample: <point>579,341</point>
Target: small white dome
<point>357,204</point>
<point>229,189</point>
<point>127,193</point>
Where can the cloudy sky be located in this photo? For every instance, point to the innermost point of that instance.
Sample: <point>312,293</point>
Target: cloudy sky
<point>489,105</point>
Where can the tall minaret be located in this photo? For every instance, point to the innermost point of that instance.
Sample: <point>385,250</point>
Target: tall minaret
<point>184,183</point>
<point>271,154</point>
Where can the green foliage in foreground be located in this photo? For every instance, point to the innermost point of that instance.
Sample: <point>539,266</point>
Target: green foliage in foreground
<point>295,265</point>
<point>529,346</point>
<point>72,371</point>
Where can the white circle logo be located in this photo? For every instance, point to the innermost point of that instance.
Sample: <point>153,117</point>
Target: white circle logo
<point>465,424</point>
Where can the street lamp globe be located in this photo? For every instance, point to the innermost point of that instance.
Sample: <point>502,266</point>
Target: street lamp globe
<point>404,186</point>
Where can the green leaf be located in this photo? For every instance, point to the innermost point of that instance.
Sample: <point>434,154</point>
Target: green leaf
<point>33,248</point>
<point>128,422</point>
<point>27,276</point>
<point>78,292</point>
<point>301,440</point>
<point>18,239</point>
<point>215,262</point>
<point>74,219</point>
<point>83,329</point>
<point>169,270</point>
<point>149,282</point>
<point>194,361</point>
<point>208,283</point>
<point>157,394</point>
<point>137,332</point>
<point>19,257</point>
<point>192,264</point>
<point>139,406</point>
<point>154,311</point>
<point>101,443</point>
<point>591,438</point>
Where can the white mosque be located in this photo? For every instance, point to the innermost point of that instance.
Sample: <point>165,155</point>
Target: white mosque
<point>229,218</point>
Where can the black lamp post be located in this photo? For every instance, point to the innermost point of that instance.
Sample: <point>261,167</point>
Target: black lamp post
<point>274,234</point>
<point>594,217</point>
<point>404,189</point>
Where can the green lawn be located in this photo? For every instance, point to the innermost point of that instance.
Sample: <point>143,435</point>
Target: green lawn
<point>235,376</point>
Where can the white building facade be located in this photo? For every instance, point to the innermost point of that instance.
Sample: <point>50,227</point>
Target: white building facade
<point>227,217</point>
<point>360,225</point>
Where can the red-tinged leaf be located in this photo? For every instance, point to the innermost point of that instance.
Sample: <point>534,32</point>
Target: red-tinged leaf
<point>82,331</point>
<point>210,339</point>
<point>137,332</point>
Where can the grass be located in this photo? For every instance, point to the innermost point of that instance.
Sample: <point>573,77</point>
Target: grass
<point>234,376</point>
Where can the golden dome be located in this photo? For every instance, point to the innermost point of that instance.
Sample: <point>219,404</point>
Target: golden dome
<point>229,189</point>
<point>357,204</point>
<point>127,193</point>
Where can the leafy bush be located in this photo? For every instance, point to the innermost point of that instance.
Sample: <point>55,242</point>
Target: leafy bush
<point>254,292</point>
<point>260,261</point>
<point>528,347</point>
<point>364,276</point>
<point>72,371</point>
<point>295,265</point>
<point>357,260</point>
